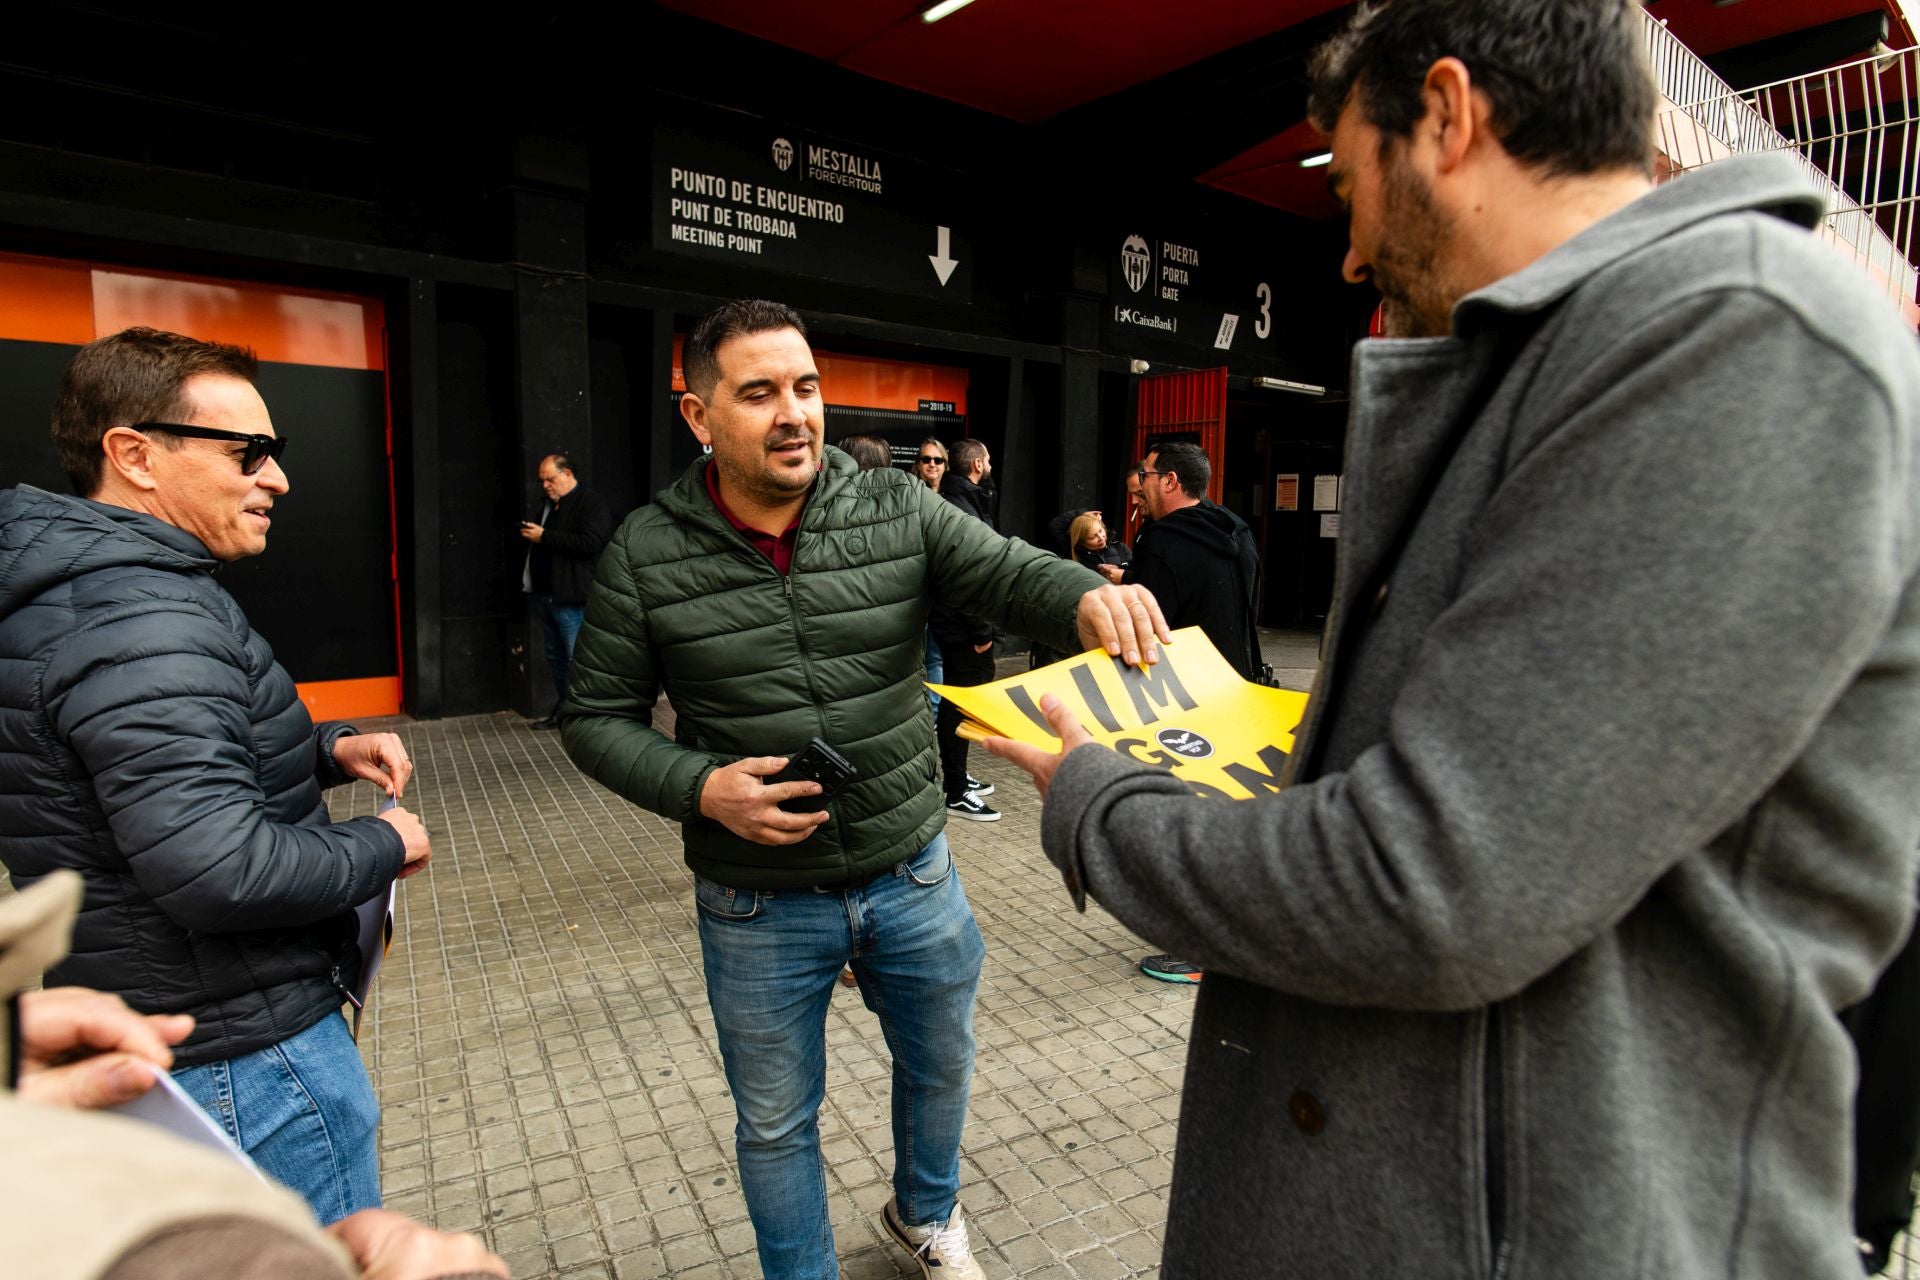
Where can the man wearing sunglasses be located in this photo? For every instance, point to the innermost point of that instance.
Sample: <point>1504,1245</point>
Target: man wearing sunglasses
<point>153,745</point>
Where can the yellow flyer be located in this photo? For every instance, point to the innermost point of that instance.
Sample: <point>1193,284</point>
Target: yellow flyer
<point>1189,713</point>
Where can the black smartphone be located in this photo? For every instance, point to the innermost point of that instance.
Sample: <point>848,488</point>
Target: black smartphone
<point>815,762</point>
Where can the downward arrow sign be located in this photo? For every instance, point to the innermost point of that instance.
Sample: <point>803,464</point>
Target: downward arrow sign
<point>942,264</point>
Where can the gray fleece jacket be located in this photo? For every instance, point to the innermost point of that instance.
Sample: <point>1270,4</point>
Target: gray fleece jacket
<point>1610,801</point>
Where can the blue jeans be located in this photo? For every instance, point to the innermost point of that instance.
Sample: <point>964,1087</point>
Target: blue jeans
<point>305,1111</point>
<point>771,957</point>
<point>936,670</point>
<point>561,622</point>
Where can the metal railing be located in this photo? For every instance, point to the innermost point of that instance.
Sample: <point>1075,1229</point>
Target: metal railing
<point>1859,116</point>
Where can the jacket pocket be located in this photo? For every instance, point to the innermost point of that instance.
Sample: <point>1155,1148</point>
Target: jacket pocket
<point>933,865</point>
<point>721,903</point>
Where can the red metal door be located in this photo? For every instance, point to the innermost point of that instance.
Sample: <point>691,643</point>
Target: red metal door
<point>1183,405</point>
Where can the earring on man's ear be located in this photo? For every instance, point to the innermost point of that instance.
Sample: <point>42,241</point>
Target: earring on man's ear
<point>706,448</point>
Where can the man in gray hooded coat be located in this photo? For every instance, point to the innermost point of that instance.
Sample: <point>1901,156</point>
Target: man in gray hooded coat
<point>1606,799</point>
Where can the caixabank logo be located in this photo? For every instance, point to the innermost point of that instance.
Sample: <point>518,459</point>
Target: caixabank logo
<point>1136,262</point>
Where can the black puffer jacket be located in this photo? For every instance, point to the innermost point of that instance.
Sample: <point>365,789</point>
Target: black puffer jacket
<point>1201,564</point>
<point>149,741</point>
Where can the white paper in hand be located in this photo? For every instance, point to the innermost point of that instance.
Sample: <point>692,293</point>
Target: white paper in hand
<point>373,929</point>
<point>168,1106</point>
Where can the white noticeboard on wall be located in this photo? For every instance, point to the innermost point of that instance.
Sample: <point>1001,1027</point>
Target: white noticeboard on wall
<point>1326,493</point>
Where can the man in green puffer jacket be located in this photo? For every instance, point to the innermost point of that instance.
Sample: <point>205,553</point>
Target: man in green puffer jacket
<point>778,596</point>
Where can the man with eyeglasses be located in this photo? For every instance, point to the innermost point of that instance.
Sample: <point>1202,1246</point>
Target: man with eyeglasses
<point>149,741</point>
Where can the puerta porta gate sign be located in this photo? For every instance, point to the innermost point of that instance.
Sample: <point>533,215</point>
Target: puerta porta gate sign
<point>750,192</point>
<point>1179,292</point>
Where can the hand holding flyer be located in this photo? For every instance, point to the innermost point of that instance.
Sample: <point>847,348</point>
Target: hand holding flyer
<point>1191,713</point>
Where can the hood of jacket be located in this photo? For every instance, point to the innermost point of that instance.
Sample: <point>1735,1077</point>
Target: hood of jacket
<point>49,538</point>
<point>976,500</point>
<point>1206,525</point>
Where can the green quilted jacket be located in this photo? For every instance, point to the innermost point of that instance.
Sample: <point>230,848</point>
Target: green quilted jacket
<point>756,663</point>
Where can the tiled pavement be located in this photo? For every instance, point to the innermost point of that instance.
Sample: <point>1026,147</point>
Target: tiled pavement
<point>543,1050</point>
<point>545,1059</point>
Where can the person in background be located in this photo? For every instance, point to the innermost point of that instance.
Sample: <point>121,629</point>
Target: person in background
<point>1091,548</point>
<point>930,466</point>
<point>868,451</point>
<point>1137,518</point>
<point>573,528</point>
<point>966,642</point>
<point>1198,558</point>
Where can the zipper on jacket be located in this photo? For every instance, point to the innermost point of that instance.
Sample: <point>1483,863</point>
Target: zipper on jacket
<point>806,661</point>
<point>1493,1099</point>
<point>333,976</point>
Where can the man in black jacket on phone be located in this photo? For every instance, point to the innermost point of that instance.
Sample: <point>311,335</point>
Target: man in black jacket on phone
<point>573,529</point>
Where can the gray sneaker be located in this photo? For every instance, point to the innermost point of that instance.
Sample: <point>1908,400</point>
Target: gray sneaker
<point>940,1248</point>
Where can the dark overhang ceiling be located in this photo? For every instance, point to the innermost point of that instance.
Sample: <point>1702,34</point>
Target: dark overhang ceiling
<point>1028,60</point>
<point>1214,89</point>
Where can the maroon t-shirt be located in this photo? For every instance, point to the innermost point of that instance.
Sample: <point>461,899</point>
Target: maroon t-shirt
<point>777,548</point>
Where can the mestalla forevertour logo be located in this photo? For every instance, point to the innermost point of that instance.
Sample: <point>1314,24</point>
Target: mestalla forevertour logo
<point>843,168</point>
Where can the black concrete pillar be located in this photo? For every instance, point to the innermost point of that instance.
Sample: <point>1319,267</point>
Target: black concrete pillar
<point>1080,310</point>
<point>417,375</point>
<point>551,351</point>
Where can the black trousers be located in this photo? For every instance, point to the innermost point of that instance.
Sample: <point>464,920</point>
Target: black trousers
<point>1886,1033</point>
<point>963,667</point>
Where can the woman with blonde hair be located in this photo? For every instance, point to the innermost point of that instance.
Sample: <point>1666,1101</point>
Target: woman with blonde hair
<point>1091,547</point>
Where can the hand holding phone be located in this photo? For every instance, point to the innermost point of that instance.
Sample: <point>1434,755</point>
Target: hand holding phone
<point>816,762</point>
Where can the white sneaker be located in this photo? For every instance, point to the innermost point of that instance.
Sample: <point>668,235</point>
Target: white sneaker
<point>973,807</point>
<point>940,1248</point>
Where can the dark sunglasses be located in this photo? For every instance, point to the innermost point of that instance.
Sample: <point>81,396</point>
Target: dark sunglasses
<point>252,458</point>
<point>928,460</point>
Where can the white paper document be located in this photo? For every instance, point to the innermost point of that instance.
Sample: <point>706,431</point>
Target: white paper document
<point>168,1106</point>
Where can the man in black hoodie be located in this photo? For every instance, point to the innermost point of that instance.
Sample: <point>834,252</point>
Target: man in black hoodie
<point>1197,557</point>
<point>1199,560</point>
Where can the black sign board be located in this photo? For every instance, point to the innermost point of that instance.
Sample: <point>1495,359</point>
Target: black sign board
<point>1163,291</point>
<point>750,192</point>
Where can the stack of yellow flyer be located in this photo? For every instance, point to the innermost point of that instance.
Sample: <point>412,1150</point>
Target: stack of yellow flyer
<point>1189,713</point>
